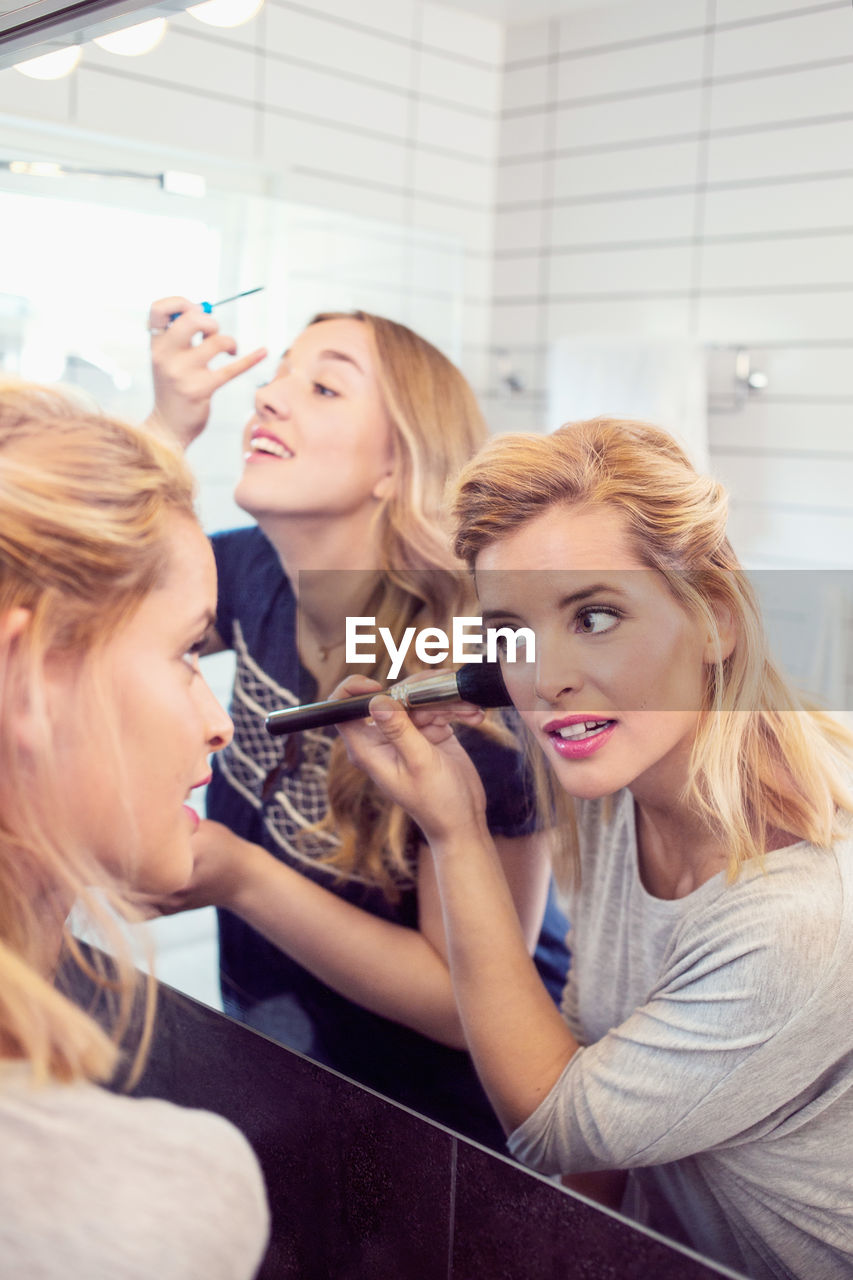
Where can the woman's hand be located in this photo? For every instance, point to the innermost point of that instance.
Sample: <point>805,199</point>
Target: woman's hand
<point>416,759</point>
<point>183,380</point>
<point>221,870</point>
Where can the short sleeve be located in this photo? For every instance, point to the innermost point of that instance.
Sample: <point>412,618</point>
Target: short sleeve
<point>745,1017</point>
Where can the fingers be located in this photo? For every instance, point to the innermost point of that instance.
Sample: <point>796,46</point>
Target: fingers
<point>180,332</point>
<point>355,687</point>
<point>238,366</point>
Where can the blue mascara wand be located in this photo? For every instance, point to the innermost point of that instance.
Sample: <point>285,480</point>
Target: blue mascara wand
<point>207,307</point>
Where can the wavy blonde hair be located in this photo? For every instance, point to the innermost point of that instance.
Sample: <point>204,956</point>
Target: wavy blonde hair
<point>86,504</point>
<point>762,758</point>
<point>436,427</point>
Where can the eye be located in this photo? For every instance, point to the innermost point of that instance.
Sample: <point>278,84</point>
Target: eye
<point>596,620</point>
<point>322,390</point>
<point>191,656</point>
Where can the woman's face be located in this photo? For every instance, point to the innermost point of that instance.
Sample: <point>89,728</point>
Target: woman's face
<point>319,441</point>
<point>615,691</point>
<point>126,793</point>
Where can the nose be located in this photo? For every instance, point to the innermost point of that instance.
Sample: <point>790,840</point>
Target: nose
<point>219,727</point>
<point>557,674</point>
<point>273,399</point>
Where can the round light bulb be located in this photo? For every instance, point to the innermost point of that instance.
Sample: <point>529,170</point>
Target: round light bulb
<point>51,66</point>
<point>225,13</point>
<point>132,41</point>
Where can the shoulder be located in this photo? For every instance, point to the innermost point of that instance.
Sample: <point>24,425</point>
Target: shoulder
<point>244,551</point>
<point>147,1169</point>
<point>158,1130</point>
<point>782,932</point>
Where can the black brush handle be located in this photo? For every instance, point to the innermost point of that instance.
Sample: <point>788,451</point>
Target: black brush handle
<point>479,682</point>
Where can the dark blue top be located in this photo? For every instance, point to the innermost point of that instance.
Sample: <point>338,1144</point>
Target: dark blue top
<point>269,789</point>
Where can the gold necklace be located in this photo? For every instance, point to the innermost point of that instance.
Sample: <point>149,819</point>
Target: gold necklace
<point>324,650</point>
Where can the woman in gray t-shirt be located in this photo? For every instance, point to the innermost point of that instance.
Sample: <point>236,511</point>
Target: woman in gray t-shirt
<point>107,589</point>
<point>701,1074</point>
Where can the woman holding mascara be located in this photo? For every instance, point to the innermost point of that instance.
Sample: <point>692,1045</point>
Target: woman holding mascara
<point>331,936</point>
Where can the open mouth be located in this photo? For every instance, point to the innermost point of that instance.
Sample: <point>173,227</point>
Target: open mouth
<point>270,446</point>
<point>581,731</point>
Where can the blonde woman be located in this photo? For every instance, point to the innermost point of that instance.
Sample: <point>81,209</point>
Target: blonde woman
<point>701,1074</point>
<point>331,936</point>
<point>102,565</point>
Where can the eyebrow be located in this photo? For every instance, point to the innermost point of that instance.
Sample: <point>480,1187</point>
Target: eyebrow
<point>206,619</point>
<point>330,354</point>
<point>566,601</point>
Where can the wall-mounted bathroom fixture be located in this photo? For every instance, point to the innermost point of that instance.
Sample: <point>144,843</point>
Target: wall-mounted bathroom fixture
<point>510,380</point>
<point>732,378</point>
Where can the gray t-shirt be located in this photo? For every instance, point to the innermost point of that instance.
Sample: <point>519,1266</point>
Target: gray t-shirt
<point>718,1058</point>
<point>103,1187</point>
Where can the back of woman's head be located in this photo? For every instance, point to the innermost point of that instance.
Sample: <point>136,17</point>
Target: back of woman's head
<point>86,505</point>
<point>775,766</point>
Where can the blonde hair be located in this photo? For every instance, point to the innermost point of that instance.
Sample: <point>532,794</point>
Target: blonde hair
<point>436,427</point>
<point>761,758</point>
<point>85,510</point>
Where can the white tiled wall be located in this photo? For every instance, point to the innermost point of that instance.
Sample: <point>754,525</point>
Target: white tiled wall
<point>692,175</point>
<point>385,111</point>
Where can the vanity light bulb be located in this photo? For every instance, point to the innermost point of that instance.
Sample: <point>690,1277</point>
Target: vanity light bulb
<point>51,66</point>
<point>225,13</point>
<point>132,41</point>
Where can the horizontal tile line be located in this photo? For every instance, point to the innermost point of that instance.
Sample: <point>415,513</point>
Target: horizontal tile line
<point>369,82</point>
<point>664,37</point>
<point>407,41</point>
<point>807,344</point>
<point>544,300</point>
<point>793,508</point>
<point>774,290</point>
<point>776,451</point>
<point>253,104</point>
<point>677,86</point>
<point>675,242</point>
<point>752,291</point>
<point>804,399</point>
<point>668,139</point>
<point>390,188</point>
<point>615,46</point>
<point>764,19</point>
<point>695,188</point>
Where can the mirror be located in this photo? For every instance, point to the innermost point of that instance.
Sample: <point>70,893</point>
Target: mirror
<point>587,176</point>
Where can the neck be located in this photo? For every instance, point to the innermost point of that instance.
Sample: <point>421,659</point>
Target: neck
<point>345,543</point>
<point>332,568</point>
<point>677,851</point>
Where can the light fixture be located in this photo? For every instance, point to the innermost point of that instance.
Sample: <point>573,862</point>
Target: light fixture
<point>132,41</point>
<point>225,13</point>
<point>35,168</point>
<point>51,66</point>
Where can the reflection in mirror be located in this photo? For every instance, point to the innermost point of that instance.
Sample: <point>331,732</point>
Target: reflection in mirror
<point>564,202</point>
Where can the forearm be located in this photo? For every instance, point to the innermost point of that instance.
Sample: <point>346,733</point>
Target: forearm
<point>387,968</point>
<point>518,1040</point>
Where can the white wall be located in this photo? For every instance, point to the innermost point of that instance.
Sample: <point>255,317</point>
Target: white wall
<point>685,168</point>
<point>385,110</point>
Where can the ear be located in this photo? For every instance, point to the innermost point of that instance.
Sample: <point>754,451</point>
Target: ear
<point>383,487</point>
<point>13,623</point>
<point>726,637</point>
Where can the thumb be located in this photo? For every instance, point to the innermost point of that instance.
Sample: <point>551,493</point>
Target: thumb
<point>393,723</point>
<point>389,716</point>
